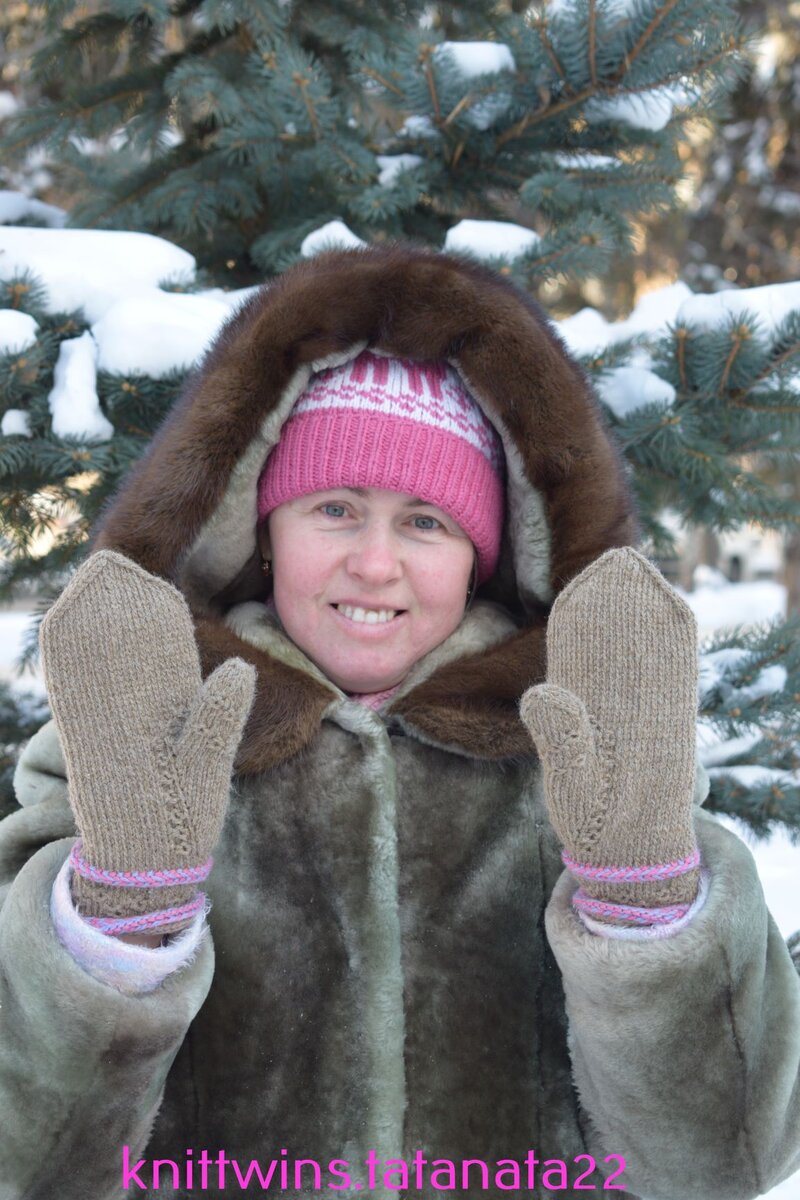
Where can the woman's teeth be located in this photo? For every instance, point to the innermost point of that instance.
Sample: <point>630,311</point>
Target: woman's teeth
<point>369,616</point>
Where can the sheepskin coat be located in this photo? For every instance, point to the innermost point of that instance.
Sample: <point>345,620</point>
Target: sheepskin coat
<point>394,964</point>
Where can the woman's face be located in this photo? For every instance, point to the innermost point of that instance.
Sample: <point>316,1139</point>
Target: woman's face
<point>342,555</point>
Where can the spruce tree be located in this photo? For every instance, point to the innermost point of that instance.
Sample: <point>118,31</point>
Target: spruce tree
<point>238,130</point>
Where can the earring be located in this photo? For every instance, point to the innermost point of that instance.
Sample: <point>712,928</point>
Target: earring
<point>472,583</point>
<point>266,565</point>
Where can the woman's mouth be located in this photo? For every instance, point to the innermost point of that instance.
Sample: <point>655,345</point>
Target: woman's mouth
<point>368,616</point>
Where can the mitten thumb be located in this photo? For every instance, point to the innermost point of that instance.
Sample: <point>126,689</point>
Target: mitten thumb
<point>559,725</point>
<point>215,721</point>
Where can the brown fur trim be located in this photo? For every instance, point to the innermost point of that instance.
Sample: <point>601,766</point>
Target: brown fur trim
<point>472,704</point>
<point>413,303</point>
<point>288,704</point>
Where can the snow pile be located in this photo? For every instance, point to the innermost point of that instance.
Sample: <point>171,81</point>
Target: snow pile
<point>738,604</point>
<point>14,207</point>
<point>15,423</point>
<point>91,269</point>
<point>73,401</point>
<point>588,332</point>
<point>482,239</point>
<point>17,331</point>
<point>157,333</point>
<point>770,305</point>
<point>8,104</point>
<point>576,160</point>
<point>645,110</point>
<point>624,389</point>
<point>477,58</point>
<point>136,326</point>
<point>391,165</point>
<point>418,127</point>
<point>490,239</point>
<point>333,236</point>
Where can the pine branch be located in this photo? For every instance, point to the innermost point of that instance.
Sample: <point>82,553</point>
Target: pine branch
<point>543,114</point>
<point>541,27</point>
<point>302,83</point>
<point>425,55</point>
<point>739,338</point>
<point>381,79</point>
<point>777,361</point>
<point>646,35</point>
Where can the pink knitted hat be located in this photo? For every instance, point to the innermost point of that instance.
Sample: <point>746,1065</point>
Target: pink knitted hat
<point>391,423</point>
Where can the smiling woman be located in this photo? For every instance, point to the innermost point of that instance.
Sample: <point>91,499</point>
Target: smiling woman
<point>388,783</point>
<point>383,493</point>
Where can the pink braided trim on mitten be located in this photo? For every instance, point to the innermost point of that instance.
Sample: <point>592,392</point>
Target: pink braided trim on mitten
<point>138,879</point>
<point>629,912</point>
<point>670,870</point>
<point>147,921</point>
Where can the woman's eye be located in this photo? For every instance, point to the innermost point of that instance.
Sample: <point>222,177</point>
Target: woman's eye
<point>340,507</point>
<point>427,527</point>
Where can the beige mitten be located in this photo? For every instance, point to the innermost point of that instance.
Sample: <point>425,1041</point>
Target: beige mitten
<point>614,726</point>
<point>149,747</point>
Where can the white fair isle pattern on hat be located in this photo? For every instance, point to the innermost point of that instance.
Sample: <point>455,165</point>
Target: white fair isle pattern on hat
<point>430,393</point>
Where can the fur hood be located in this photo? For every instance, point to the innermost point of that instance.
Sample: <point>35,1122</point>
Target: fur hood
<point>187,511</point>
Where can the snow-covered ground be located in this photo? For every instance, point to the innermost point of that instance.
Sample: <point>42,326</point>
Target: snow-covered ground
<point>736,604</point>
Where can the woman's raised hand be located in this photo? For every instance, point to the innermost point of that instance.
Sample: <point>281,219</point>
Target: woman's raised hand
<point>149,747</point>
<point>614,726</point>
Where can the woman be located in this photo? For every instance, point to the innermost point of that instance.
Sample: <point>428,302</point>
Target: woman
<point>382,432</point>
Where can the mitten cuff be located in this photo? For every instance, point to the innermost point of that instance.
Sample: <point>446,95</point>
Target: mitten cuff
<point>605,910</point>
<point>133,970</point>
<point>120,902</point>
<point>640,933</point>
<point>652,894</point>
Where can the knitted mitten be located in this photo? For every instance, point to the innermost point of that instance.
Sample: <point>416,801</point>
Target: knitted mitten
<point>615,729</point>
<point>149,747</point>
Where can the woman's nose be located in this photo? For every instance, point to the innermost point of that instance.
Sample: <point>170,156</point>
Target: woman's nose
<point>374,558</point>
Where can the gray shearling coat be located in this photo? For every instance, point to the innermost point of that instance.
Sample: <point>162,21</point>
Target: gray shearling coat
<point>394,962</point>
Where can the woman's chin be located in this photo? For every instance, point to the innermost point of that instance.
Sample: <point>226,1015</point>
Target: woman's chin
<point>368,687</point>
<point>365,683</point>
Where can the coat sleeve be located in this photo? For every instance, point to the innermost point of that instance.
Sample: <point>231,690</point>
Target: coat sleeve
<point>81,1064</point>
<point>686,1050</point>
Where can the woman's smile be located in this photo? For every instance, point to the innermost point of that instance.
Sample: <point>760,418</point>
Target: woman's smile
<point>372,623</point>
